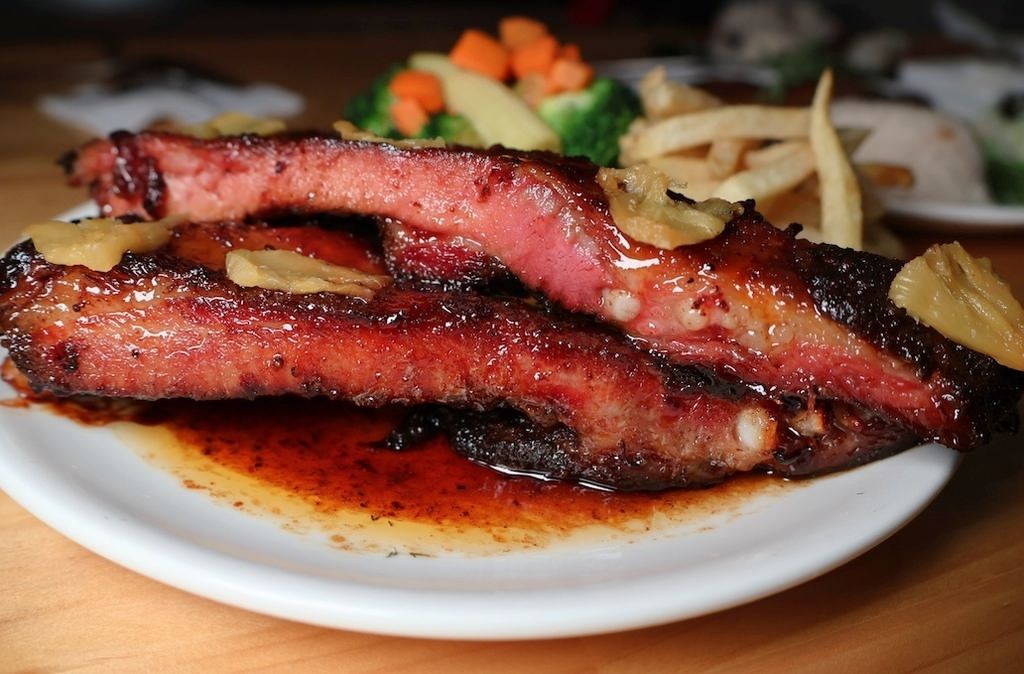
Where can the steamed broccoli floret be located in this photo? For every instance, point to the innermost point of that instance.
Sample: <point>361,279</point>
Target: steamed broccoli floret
<point>371,110</point>
<point>455,129</point>
<point>591,121</point>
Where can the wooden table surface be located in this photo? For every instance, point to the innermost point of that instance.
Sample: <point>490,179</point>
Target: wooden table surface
<point>944,594</point>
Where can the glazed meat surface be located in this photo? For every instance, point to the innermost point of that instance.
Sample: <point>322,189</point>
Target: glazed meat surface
<point>754,304</point>
<point>591,406</point>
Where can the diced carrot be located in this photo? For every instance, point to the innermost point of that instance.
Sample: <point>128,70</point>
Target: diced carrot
<point>568,75</point>
<point>532,88</point>
<point>570,52</point>
<point>408,116</point>
<point>420,86</point>
<point>518,31</point>
<point>535,57</point>
<point>478,51</point>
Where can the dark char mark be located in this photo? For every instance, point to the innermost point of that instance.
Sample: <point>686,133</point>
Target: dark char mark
<point>510,442</point>
<point>136,175</point>
<point>419,425</point>
<point>15,264</point>
<point>851,287</point>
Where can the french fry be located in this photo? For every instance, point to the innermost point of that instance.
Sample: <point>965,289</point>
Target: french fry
<point>800,205</point>
<point>769,154</point>
<point>841,217</point>
<point>697,151</point>
<point>661,98</point>
<point>691,174</point>
<point>725,154</point>
<point>769,180</point>
<point>871,205</point>
<point>887,175</point>
<point>793,161</point>
<point>682,169</point>
<point>699,190</point>
<point>704,127</point>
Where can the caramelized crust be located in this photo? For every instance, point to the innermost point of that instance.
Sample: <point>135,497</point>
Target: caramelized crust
<point>591,405</point>
<point>755,304</point>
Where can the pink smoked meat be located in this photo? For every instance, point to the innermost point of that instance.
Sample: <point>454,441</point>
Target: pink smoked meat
<point>533,390</point>
<point>755,305</point>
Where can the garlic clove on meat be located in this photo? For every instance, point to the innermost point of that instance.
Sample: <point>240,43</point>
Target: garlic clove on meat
<point>98,243</point>
<point>641,206</point>
<point>294,273</point>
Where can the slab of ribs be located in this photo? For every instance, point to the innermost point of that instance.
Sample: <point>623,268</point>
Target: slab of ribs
<point>541,338</point>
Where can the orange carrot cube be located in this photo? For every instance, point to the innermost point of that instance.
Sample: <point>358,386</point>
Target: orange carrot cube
<point>409,116</point>
<point>518,31</point>
<point>568,75</point>
<point>535,57</point>
<point>422,87</point>
<point>570,52</point>
<point>479,52</point>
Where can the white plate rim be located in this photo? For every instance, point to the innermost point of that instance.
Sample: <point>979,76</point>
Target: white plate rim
<point>964,216</point>
<point>497,615</point>
<point>46,490</point>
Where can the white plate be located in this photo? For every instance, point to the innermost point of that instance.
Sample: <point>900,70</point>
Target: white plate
<point>964,218</point>
<point>86,483</point>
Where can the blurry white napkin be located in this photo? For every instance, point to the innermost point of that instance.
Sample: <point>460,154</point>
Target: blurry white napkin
<point>95,108</point>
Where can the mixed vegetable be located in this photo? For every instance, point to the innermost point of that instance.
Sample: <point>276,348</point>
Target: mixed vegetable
<point>523,89</point>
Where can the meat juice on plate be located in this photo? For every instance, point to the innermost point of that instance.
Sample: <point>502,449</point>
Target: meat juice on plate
<point>320,467</point>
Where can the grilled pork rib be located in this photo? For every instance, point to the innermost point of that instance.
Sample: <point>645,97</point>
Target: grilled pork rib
<point>755,303</point>
<point>598,409</point>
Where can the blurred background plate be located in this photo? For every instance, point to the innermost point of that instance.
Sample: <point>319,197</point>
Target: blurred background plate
<point>687,69</point>
<point>953,217</point>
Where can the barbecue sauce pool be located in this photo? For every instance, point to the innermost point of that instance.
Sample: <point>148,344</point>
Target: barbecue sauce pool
<point>320,466</point>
